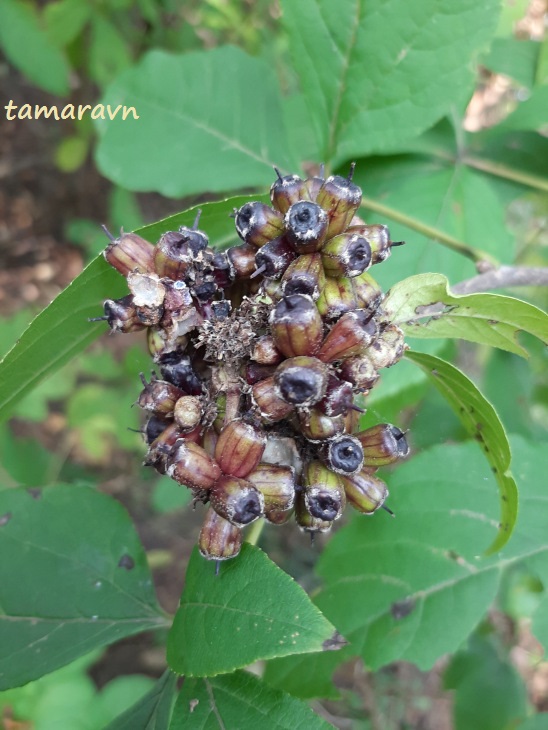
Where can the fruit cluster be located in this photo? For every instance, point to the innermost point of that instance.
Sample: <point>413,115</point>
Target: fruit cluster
<point>261,351</point>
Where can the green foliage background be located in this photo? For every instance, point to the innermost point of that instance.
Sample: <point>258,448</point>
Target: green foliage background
<point>387,85</point>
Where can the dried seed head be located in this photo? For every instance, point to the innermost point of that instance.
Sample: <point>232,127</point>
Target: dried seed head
<point>191,465</point>
<point>130,253</point>
<point>239,448</point>
<point>273,258</point>
<point>277,485</point>
<point>265,351</point>
<point>364,491</point>
<point>323,492</point>
<point>306,521</point>
<point>254,372</point>
<point>388,348</point>
<point>344,455</point>
<point>223,271</point>
<point>154,427</point>
<point>176,252</point>
<point>242,260</point>
<point>367,292</point>
<point>383,444</point>
<point>188,412</point>
<point>219,539</point>
<point>287,190</point>
<point>379,240</point>
<point>159,397</point>
<point>296,325</point>
<point>148,296</point>
<point>177,368</point>
<point>237,500</point>
<point>338,399</point>
<point>313,185</point>
<point>269,405</point>
<point>360,371</point>
<point>304,275</point>
<point>336,298</point>
<point>348,254</point>
<point>306,225</point>
<point>121,315</point>
<point>340,198</point>
<point>209,441</point>
<point>301,381</point>
<point>161,446</point>
<point>353,332</point>
<point>317,427</point>
<point>257,223</point>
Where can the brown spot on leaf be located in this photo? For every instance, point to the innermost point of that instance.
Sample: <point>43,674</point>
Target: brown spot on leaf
<point>401,609</point>
<point>4,519</point>
<point>35,492</point>
<point>334,643</point>
<point>127,562</point>
<point>493,321</point>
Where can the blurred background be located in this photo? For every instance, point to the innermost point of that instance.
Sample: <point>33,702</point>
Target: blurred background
<point>53,199</point>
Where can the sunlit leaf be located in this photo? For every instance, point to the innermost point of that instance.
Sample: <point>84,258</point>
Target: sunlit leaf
<point>229,620</point>
<point>424,307</point>
<point>368,88</point>
<point>208,122</point>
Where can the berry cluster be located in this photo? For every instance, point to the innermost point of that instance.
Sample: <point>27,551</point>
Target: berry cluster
<point>261,350</point>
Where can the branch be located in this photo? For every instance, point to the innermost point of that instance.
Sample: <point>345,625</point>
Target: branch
<point>502,278</point>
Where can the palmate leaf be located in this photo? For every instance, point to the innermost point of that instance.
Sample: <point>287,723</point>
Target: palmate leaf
<point>424,307</point>
<point>230,620</point>
<point>61,330</point>
<point>368,88</point>
<point>240,701</point>
<point>74,577</point>
<point>415,587</point>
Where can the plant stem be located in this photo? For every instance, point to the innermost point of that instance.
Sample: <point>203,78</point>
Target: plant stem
<point>255,532</point>
<point>503,277</point>
<point>500,170</point>
<point>477,256</point>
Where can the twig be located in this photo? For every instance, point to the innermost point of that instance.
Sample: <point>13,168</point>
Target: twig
<point>502,278</point>
<point>480,258</point>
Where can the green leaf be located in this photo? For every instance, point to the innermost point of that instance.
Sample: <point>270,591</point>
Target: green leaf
<point>217,113</point>
<point>74,577</point>
<point>61,331</point>
<point>65,19</point>
<point>108,53</point>
<point>240,701</point>
<point>538,722</point>
<point>424,307</point>
<point>530,114</point>
<point>29,48</point>
<point>368,88</point>
<point>153,711</point>
<point>22,461</point>
<point>252,610</point>
<point>307,675</point>
<point>481,421</point>
<point>514,57</point>
<point>489,693</point>
<point>414,588</point>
